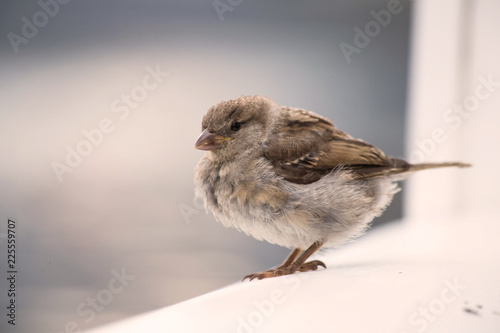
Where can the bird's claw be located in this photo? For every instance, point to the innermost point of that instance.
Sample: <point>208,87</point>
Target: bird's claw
<point>280,271</point>
<point>311,266</point>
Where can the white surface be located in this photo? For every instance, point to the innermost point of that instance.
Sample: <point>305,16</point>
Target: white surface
<point>436,73</point>
<point>452,49</point>
<point>383,283</point>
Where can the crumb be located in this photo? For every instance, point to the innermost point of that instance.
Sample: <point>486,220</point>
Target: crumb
<point>471,311</point>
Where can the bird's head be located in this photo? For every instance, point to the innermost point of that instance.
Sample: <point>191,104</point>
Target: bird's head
<point>236,127</point>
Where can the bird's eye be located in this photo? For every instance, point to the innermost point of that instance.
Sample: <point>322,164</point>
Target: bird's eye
<point>235,126</point>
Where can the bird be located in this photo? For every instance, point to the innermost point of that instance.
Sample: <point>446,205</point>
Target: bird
<point>290,177</point>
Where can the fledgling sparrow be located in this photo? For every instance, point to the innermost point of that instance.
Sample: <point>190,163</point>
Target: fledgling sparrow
<point>288,176</point>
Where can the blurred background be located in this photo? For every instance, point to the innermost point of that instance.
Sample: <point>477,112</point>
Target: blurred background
<point>101,103</point>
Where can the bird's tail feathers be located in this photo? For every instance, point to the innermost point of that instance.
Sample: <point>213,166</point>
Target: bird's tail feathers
<point>403,173</point>
<point>400,169</point>
<point>424,166</point>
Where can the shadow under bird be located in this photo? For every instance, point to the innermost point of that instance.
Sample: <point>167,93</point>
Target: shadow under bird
<point>288,176</point>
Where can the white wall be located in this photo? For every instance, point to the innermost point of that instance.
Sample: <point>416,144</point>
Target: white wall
<point>455,48</point>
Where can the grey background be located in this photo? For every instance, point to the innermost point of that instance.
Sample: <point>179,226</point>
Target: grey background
<point>129,204</point>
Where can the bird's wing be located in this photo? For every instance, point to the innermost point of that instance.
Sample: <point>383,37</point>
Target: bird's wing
<point>308,146</point>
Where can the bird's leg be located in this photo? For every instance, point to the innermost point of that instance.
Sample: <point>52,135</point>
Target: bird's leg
<point>292,264</point>
<point>301,265</point>
<point>290,259</point>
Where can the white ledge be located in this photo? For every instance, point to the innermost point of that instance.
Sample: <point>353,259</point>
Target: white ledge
<point>402,278</point>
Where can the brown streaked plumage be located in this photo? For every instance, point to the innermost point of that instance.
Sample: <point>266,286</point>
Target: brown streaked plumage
<point>290,177</point>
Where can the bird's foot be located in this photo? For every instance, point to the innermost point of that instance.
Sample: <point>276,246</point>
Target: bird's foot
<point>311,266</point>
<point>280,271</point>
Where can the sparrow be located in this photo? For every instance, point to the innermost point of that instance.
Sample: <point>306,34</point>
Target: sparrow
<point>290,177</point>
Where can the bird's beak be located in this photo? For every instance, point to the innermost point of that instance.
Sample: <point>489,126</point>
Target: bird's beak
<point>210,141</point>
